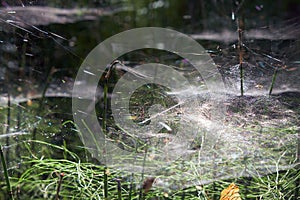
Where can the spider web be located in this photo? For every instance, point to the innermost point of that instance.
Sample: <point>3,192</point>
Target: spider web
<point>217,142</point>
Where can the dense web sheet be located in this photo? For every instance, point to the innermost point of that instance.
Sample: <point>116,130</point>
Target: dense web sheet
<point>213,137</point>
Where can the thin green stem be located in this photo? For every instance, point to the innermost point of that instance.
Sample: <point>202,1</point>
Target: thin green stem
<point>297,182</point>
<point>273,81</point>
<point>183,195</point>
<point>49,73</point>
<point>141,193</point>
<point>9,189</point>
<point>8,123</point>
<point>119,189</point>
<point>130,187</point>
<point>105,183</point>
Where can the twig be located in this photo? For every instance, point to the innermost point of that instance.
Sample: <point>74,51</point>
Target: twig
<point>61,176</point>
<point>240,29</point>
<point>240,51</point>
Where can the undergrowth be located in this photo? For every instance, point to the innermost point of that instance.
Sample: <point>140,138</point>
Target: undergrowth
<point>48,178</point>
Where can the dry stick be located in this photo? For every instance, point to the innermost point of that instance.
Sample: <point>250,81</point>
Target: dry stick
<point>61,176</point>
<point>240,51</point>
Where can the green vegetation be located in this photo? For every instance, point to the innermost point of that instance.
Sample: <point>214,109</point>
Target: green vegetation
<point>66,170</point>
<point>254,143</point>
<point>47,178</point>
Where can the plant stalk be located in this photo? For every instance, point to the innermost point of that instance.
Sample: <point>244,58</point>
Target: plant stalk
<point>240,51</point>
<point>105,183</point>
<point>9,189</point>
<point>49,73</point>
<point>130,187</point>
<point>119,189</point>
<point>273,81</point>
<point>61,176</point>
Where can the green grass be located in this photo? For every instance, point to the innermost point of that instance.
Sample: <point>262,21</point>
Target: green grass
<point>48,178</point>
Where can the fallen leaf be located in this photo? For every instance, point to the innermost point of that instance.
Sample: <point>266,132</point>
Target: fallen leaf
<point>148,184</point>
<point>231,193</point>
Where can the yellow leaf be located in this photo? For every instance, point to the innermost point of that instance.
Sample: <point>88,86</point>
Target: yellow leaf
<point>29,102</point>
<point>231,193</point>
<point>133,117</point>
<point>107,172</point>
<point>166,195</point>
<point>198,187</point>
